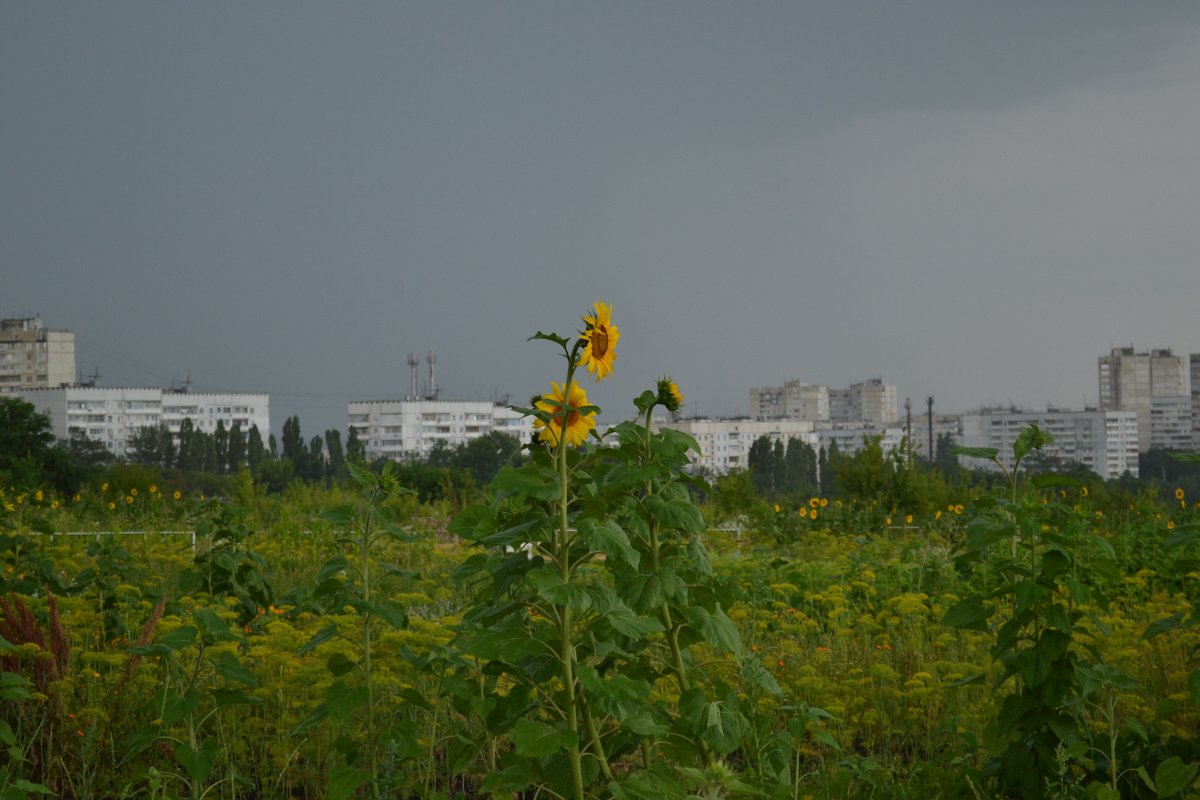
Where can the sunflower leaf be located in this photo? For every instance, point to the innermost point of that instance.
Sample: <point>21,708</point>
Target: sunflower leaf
<point>550,337</point>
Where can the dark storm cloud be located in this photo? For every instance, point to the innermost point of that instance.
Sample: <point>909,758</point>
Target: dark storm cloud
<point>970,199</point>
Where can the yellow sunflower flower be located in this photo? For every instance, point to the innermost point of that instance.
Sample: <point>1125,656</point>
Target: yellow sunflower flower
<point>601,337</point>
<point>579,423</point>
<point>1179,494</point>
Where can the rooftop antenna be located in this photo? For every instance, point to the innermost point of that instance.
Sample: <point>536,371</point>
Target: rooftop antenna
<point>93,378</point>
<point>414,361</point>
<point>431,358</point>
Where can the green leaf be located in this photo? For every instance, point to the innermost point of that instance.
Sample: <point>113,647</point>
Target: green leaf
<point>697,554</point>
<point>230,668</point>
<point>529,481</point>
<point>344,780</point>
<point>340,515</point>
<point>341,700</point>
<point>169,643</point>
<point>626,622</point>
<point>607,537</point>
<point>197,762</point>
<point>678,513</point>
<point>550,337</point>
<point>653,784</point>
<point>537,739</point>
<point>212,627</point>
<point>6,733</point>
<point>180,706</point>
<point>716,628</point>
<point>550,587</point>
<point>338,665</point>
<point>986,453</point>
<point>232,697</point>
<point>318,639</point>
<point>968,614</point>
<point>1047,480</point>
<point>1173,776</point>
<point>22,785</point>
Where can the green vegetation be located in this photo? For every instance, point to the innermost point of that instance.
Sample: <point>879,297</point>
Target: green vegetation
<point>585,618</point>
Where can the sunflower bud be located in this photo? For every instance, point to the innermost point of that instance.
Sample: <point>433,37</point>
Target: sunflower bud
<point>669,396</point>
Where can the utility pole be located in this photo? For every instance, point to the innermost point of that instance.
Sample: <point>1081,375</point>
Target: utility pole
<point>908,425</point>
<point>929,403</point>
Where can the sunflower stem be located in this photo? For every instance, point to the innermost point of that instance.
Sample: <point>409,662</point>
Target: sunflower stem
<point>566,646</point>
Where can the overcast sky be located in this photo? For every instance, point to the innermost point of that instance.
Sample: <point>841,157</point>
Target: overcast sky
<point>972,200</point>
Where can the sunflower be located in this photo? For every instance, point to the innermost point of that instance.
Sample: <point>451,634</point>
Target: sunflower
<point>1178,494</point>
<point>669,395</point>
<point>578,422</point>
<point>600,338</point>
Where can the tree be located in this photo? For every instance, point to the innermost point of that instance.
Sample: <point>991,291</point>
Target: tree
<point>801,462</point>
<point>237,448</point>
<point>337,457</point>
<point>87,452</point>
<point>28,456</point>
<point>762,475</point>
<point>145,445</point>
<point>314,460</point>
<point>356,452</point>
<point>255,452</point>
<point>483,457</point>
<point>183,456</point>
<point>221,446</point>
<point>293,442</point>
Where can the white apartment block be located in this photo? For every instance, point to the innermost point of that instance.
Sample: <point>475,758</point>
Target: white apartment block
<point>1171,422</point>
<point>850,437</point>
<point>1195,365</point>
<point>943,425</point>
<point>871,401</point>
<point>1129,381</point>
<point>33,356</point>
<point>794,400</point>
<point>404,429</point>
<point>206,409</point>
<point>1105,442</point>
<point>111,415</point>
<point>725,443</point>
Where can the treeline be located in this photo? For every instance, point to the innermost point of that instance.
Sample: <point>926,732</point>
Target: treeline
<point>228,451</point>
<point>794,470</point>
<point>195,459</point>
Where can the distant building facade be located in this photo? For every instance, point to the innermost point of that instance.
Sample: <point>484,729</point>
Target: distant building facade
<point>1195,369</point>
<point>112,415</point>
<point>33,356</point>
<point>1105,442</point>
<point>872,401</point>
<point>1132,381</point>
<point>725,443</point>
<point>794,400</point>
<point>405,429</point>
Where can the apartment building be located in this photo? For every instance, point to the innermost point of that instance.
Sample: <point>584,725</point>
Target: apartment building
<point>1105,442</point>
<point>112,415</point>
<point>794,400</point>
<point>403,429</point>
<point>872,401</point>
<point>33,356</point>
<point>1132,381</point>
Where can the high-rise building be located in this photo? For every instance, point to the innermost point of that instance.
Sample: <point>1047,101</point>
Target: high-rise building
<point>33,356</point>
<point>794,400</point>
<point>1131,381</point>
<point>1106,442</point>
<point>401,429</point>
<point>871,401</point>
